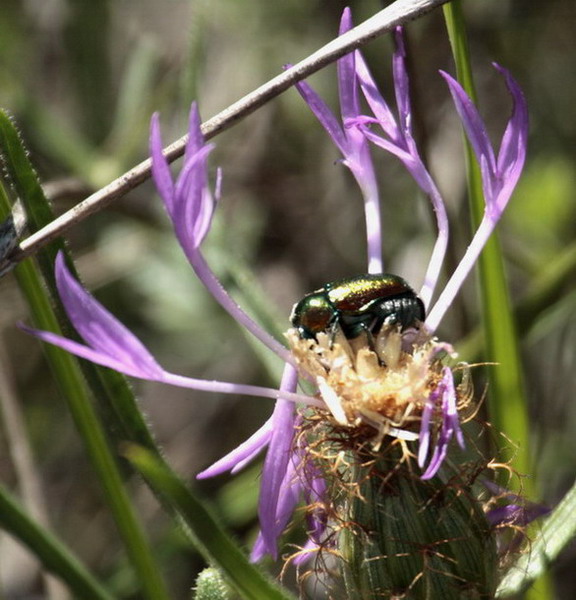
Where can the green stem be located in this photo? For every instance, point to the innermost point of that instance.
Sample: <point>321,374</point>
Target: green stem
<point>506,398</point>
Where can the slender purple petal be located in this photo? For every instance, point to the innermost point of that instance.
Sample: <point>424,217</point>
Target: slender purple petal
<point>248,449</point>
<point>276,463</point>
<point>425,434</point>
<point>401,87</point>
<point>259,550</point>
<point>347,87</point>
<point>499,179</point>
<point>193,206</point>
<point>103,332</point>
<point>215,287</point>
<point>112,345</point>
<point>324,115</point>
<point>471,120</point>
<point>513,146</point>
<point>90,354</point>
<point>195,138</point>
<point>160,169</point>
<point>376,101</point>
<point>449,428</point>
<point>190,206</point>
<point>512,153</point>
<point>517,511</point>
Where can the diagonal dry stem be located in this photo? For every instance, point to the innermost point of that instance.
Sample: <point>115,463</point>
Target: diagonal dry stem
<point>396,14</point>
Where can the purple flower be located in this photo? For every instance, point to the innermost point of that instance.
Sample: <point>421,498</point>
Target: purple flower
<point>406,395</point>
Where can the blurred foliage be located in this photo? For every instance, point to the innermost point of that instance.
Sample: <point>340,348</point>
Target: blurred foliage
<point>82,78</point>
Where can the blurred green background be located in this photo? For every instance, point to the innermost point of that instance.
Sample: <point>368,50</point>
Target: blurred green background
<point>82,78</point>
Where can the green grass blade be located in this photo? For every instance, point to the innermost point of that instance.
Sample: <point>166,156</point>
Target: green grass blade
<point>54,556</point>
<point>506,397</point>
<point>207,535</point>
<point>507,403</point>
<point>67,371</point>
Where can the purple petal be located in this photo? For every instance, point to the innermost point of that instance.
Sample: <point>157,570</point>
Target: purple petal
<point>288,497</point>
<point>193,205</point>
<point>160,169</point>
<point>246,450</point>
<point>513,146</point>
<point>309,549</point>
<point>512,153</point>
<point>276,463</point>
<point>347,87</point>
<point>424,443</point>
<point>258,550</point>
<point>324,115</point>
<point>376,101</point>
<point>516,514</point>
<point>401,86</point>
<point>450,426</point>
<point>391,147</point>
<point>100,330</point>
<point>195,138</point>
<point>88,353</point>
<point>472,122</point>
<point>273,473</point>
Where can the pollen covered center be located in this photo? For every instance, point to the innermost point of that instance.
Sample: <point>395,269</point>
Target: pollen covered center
<point>385,384</point>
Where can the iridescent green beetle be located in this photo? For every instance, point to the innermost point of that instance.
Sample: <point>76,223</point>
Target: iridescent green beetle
<point>360,304</point>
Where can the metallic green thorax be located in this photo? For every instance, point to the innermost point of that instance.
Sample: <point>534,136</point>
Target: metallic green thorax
<point>359,304</point>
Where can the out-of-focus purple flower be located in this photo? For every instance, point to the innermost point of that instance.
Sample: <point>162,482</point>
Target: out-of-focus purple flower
<point>351,143</point>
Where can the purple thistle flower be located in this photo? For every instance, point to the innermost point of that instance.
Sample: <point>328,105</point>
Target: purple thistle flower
<point>425,392</point>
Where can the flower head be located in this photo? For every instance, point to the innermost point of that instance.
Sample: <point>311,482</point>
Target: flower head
<point>388,388</point>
